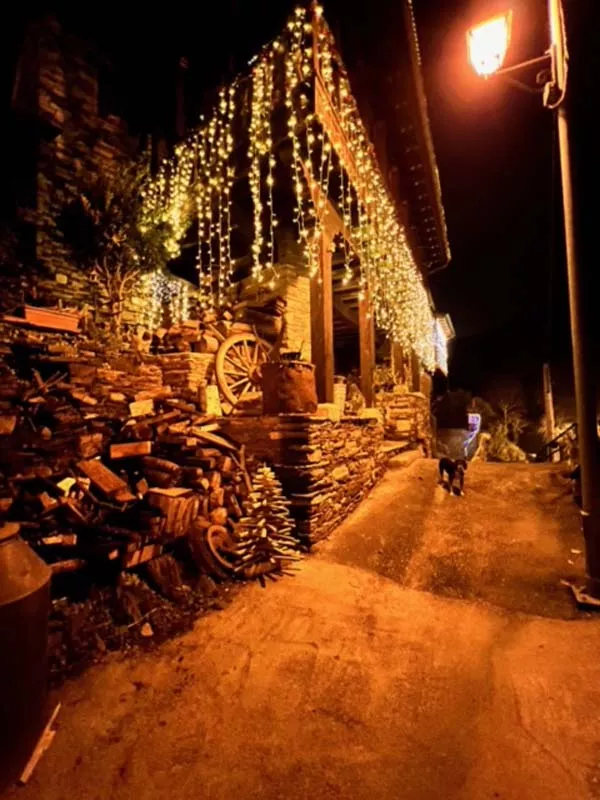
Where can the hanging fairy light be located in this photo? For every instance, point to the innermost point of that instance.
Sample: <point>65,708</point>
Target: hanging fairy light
<point>199,179</point>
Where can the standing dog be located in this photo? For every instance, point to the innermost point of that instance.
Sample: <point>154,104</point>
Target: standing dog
<point>453,469</point>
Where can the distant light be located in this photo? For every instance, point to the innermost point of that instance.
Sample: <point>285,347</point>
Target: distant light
<point>488,44</point>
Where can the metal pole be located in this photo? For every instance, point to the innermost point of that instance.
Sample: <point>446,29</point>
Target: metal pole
<point>585,396</point>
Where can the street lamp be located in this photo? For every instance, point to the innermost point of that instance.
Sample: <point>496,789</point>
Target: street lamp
<point>488,44</point>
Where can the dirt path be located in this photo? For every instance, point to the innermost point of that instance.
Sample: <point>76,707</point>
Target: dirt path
<point>398,663</point>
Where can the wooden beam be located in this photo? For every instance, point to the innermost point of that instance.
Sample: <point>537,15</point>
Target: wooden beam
<point>415,367</point>
<point>366,329</point>
<point>398,363</point>
<point>321,321</point>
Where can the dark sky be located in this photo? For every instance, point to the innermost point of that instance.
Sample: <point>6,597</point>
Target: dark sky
<point>505,287</point>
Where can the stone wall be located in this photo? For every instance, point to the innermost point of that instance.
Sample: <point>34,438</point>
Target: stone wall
<point>407,418</point>
<point>185,371</point>
<point>293,286</point>
<point>57,91</point>
<point>326,468</point>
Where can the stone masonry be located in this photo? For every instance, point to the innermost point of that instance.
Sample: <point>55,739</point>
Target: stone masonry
<point>407,418</point>
<point>326,468</point>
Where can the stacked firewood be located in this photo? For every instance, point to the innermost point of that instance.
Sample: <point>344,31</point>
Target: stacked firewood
<point>97,480</point>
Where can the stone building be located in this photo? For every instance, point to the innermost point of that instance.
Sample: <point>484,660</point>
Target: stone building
<point>62,127</point>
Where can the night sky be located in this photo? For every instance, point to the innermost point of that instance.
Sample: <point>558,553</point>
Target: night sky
<point>505,286</point>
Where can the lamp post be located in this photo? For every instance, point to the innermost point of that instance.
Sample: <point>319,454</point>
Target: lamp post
<point>488,45</point>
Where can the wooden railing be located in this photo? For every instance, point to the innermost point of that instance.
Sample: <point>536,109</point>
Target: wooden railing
<point>559,443</point>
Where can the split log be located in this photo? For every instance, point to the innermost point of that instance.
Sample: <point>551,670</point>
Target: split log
<point>164,480</point>
<point>216,498</point>
<point>220,441</point>
<point>141,408</point>
<point>7,424</point>
<point>164,572</point>
<point>90,444</point>
<point>103,478</point>
<point>218,516</point>
<point>208,344</point>
<point>130,449</point>
<point>178,506</point>
<point>162,465</point>
<point>139,556</point>
<point>214,480</point>
<point>69,565</point>
<point>83,397</point>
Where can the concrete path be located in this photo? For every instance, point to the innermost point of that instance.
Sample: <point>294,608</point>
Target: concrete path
<point>427,651</point>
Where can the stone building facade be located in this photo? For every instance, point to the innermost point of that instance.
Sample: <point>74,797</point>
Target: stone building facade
<point>57,104</point>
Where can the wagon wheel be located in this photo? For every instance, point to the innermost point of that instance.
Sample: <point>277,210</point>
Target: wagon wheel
<point>239,367</point>
<point>221,545</point>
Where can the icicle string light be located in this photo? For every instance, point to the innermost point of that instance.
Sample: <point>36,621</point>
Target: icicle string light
<point>200,175</point>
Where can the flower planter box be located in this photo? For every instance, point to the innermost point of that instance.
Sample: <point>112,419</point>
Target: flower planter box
<point>50,318</point>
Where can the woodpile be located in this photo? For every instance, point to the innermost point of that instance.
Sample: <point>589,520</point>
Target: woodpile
<point>98,472</point>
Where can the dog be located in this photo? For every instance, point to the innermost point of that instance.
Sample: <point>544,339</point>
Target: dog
<point>453,469</point>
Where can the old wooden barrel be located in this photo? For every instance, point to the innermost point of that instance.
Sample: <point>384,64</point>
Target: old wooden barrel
<point>24,607</point>
<point>289,387</point>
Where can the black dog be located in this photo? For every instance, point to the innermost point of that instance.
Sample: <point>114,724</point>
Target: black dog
<point>453,469</point>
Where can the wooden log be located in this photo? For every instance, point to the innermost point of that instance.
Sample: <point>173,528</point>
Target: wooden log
<point>214,478</point>
<point>168,416</point>
<point>83,397</point>
<point>7,424</point>
<point>102,477</point>
<point>164,480</point>
<point>233,505</point>
<point>179,507</point>
<point>213,438</point>
<point>90,444</point>
<point>141,408</point>
<point>69,565</point>
<point>208,344</point>
<point>164,572</point>
<point>130,449</point>
<point>218,516</point>
<point>177,440</point>
<point>216,498</point>
<point>141,555</point>
<point>124,496</point>
<point>162,464</point>
<point>225,465</point>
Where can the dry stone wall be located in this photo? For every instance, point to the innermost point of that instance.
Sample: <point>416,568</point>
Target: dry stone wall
<point>407,418</point>
<point>326,468</point>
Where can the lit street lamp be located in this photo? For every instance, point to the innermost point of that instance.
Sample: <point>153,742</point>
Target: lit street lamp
<point>487,46</point>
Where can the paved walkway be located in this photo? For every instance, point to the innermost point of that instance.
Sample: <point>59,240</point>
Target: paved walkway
<point>427,651</point>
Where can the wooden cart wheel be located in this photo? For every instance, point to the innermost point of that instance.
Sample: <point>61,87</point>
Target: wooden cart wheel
<point>239,367</point>
<point>221,545</point>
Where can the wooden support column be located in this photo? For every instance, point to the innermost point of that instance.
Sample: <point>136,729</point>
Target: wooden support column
<point>366,335</point>
<point>415,368</point>
<point>398,363</point>
<point>321,322</point>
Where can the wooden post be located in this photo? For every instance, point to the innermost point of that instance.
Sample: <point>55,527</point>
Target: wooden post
<point>415,367</point>
<point>321,321</point>
<point>398,363</point>
<point>366,335</point>
<point>549,404</point>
